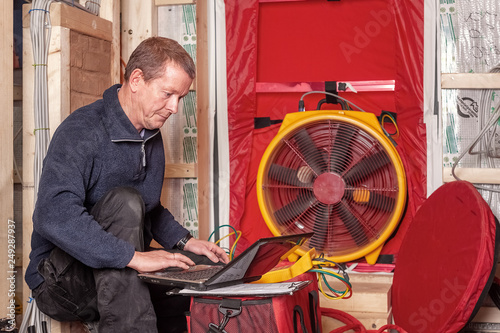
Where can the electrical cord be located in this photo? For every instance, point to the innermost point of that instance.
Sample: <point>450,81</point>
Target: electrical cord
<point>323,268</point>
<point>301,101</point>
<point>40,32</point>
<point>232,251</point>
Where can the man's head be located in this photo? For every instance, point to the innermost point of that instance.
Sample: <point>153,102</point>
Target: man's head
<point>157,76</point>
<point>153,54</point>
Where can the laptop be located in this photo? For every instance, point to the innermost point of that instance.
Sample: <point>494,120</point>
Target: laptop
<point>250,265</point>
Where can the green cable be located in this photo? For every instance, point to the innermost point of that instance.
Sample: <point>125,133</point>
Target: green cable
<point>322,272</point>
<point>229,226</point>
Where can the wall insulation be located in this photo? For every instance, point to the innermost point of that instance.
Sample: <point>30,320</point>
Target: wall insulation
<point>470,43</point>
<point>180,132</point>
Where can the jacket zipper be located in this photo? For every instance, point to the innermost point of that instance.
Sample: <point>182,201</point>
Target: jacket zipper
<point>143,146</point>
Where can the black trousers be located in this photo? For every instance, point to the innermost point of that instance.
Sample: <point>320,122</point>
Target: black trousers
<point>117,298</point>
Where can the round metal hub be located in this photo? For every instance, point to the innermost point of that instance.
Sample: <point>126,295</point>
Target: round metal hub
<point>329,188</point>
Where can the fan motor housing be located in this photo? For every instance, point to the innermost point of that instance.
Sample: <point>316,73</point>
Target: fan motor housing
<point>334,173</point>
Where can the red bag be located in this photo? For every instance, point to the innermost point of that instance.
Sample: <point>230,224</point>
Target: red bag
<point>298,312</point>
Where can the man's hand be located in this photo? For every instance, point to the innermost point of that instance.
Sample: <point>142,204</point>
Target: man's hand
<point>155,260</point>
<point>208,249</point>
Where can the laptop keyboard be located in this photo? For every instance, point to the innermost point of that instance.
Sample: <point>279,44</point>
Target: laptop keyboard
<point>194,275</point>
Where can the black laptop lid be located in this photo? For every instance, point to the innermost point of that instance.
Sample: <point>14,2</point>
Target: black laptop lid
<point>258,259</point>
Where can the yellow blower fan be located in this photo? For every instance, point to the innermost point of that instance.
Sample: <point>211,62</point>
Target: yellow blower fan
<point>334,173</point>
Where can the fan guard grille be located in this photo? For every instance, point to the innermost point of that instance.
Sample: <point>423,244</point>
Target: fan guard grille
<point>332,178</point>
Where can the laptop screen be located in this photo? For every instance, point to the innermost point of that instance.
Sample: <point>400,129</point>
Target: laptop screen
<point>260,258</point>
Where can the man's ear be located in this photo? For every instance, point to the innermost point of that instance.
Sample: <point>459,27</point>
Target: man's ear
<point>136,78</point>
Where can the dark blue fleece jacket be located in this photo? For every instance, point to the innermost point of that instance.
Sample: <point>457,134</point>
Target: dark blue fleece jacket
<point>95,149</point>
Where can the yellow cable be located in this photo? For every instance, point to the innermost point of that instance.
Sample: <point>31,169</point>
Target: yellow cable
<point>224,237</point>
<point>231,252</point>
<point>320,287</point>
<point>238,232</point>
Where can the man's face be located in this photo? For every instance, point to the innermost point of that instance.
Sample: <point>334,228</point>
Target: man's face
<point>159,98</point>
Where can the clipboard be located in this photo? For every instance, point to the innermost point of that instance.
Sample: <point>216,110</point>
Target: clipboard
<point>247,289</point>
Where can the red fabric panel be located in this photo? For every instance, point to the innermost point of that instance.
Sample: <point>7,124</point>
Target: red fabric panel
<point>241,35</point>
<point>445,261</point>
<point>409,24</point>
<point>318,40</point>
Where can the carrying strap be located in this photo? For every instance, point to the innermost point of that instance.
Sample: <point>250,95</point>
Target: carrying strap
<point>297,310</point>
<point>229,308</point>
<point>313,311</point>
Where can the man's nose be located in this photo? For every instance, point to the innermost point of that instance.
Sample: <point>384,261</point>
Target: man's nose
<point>173,106</point>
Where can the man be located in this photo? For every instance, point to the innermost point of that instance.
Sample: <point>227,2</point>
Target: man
<point>98,205</point>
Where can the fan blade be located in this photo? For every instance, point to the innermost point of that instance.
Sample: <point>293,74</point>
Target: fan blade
<point>366,167</point>
<point>353,225</point>
<point>312,155</point>
<point>341,155</point>
<point>372,199</point>
<point>320,229</point>
<point>293,209</point>
<point>286,175</point>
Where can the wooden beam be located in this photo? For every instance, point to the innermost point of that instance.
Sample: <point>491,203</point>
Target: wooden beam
<point>138,24</point>
<point>473,175</point>
<point>110,10</point>
<point>470,80</point>
<point>173,2</point>
<point>7,153</point>
<point>28,146</point>
<point>18,93</point>
<point>203,119</point>
<point>75,19</point>
<point>181,170</point>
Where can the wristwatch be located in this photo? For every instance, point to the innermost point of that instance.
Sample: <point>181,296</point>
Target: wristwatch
<point>182,243</point>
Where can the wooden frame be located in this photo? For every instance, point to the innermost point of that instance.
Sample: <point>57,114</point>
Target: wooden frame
<point>7,153</point>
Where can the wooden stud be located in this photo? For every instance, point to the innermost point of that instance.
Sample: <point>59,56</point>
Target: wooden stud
<point>470,81</point>
<point>203,119</point>
<point>7,153</point>
<point>110,10</point>
<point>28,145</point>
<point>138,24</point>
<point>473,175</point>
<point>173,2</point>
<point>181,170</point>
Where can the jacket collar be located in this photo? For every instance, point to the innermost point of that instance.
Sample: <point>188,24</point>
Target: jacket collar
<point>115,120</point>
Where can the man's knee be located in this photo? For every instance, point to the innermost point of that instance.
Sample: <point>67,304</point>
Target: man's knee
<point>121,204</point>
<point>131,200</point>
